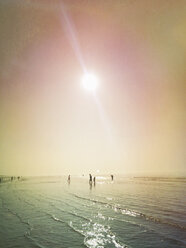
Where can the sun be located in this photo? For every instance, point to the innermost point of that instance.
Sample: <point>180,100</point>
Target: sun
<point>90,81</point>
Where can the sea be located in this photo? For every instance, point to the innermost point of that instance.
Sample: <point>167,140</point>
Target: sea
<point>128,212</point>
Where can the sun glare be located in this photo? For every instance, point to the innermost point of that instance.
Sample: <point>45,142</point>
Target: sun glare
<point>90,81</point>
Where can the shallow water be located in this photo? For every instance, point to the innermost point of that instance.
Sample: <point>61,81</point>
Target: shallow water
<point>129,212</point>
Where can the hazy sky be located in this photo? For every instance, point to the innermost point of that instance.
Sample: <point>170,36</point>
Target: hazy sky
<point>134,124</point>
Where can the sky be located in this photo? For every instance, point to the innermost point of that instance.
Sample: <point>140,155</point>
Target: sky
<point>133,124</point>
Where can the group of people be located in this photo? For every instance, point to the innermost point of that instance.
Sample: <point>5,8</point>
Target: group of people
<point>90,179</point>
<point>6,179</point>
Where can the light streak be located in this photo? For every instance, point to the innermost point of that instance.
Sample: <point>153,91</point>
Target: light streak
<point>70,30</point>
<point>72,36</point>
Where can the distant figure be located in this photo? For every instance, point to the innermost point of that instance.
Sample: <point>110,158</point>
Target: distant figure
<point>0,179</point>
<point>18,178</point>
<point>112,177</point>
<point>68,179</point>
<point>12,178</point>
<point>90,178</point>
<point>94,180</point>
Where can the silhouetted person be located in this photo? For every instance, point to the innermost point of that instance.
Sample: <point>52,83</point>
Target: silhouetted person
<point>94,180</point>
<point>68,179</point>
<point>112,177</point>
<point>12,178</point>
<point>90,178</point>
<point>90,181</point>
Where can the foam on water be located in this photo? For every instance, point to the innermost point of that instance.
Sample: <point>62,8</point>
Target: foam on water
<point>98,235</point>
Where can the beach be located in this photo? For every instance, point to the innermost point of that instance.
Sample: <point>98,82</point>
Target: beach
<point>127,212</point>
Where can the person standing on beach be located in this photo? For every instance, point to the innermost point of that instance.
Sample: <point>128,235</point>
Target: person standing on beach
<point>68,179</point>
<point>90,178</point>
<point>94,180</point>
<point>112,177</point>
